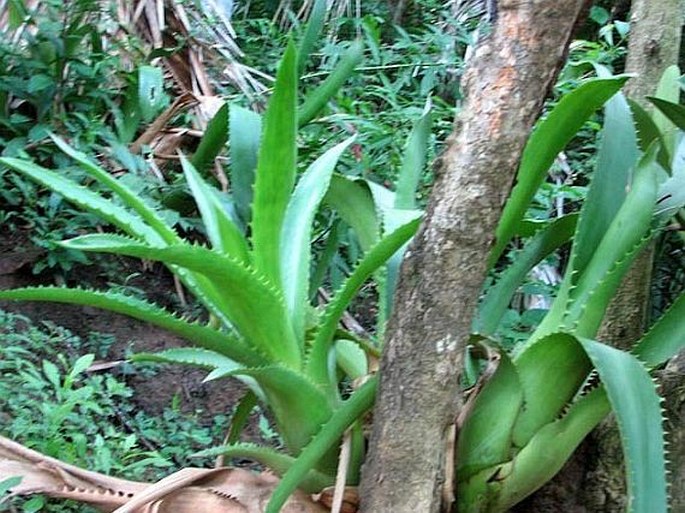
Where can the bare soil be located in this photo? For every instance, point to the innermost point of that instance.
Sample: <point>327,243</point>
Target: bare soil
<point>17,256</point>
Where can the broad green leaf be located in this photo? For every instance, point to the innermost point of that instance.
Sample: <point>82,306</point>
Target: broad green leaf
<point>202,336</point>
<point>353,201</point>
<point>538,461</point>
<point>550,372</point>
<point>637,408</point>
<point>130,198</point>
<point>315,23</point>
<point>276,169</point>
<point>295,248</point>
<point>351,358</point>
<point>150,91</point>
<point>221,229</point>
<point>299,407</point>
<point>668,89</point>
<point>647,131</point>
<point>317,364</point>
<point>6,485</point>
<point>483,443</point>
<point>213,141</point>
<point>277,462</point>
<point>318,98</point>
<point>498,296</point>
<point>245,129</point>
<point>599,280</point>
<point>188,356</point>
<point>414,161</point>
<point>665,338</point>
<point>549,137</point>
<point>673,111</point>
<point>247,297</point>
<point>617,155</point>
<point>359,403</point>
<point>86,199</point>
<point>241,417</point>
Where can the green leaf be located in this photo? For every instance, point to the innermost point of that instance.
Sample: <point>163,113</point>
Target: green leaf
<point>359,403</point>
<point>276,169</point>
<point>498,297</point>
<point>81,365</point>
<point>150,91</point>
<point>351,358</point>
<point>483,443</point>
<point>297,232</point>
<point>549,137</point>
<point>247,299</point>
<point>6,485</point>
<point>665,338</point>
<point>278,462</point>
<point>550,371</point>
<point>318,98</point>
<point>241,416</point>
<point>221,230</point>
<point>52,373</point>
<point>637,407</point>
<point>673,111</point>
<point>414,160</point>
<point>202,336</point>
<point>353,201</point>
<point>317,17</point>
<point>213,141</point>
<point>245,129</point>
<point>189,356</point>
<point>86,199</point>
<point>299,407</point>
<point>130,198</point>
<point>317,364</point>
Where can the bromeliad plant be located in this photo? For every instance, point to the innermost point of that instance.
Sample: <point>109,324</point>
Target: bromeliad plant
<point>255,287</point>
<point>557,386</point>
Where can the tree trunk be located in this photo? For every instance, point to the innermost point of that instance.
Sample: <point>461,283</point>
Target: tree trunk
<point>594,480</point>
<point>443,271</point>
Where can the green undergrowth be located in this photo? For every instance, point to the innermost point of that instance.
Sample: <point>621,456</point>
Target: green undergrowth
<point>52,403</point>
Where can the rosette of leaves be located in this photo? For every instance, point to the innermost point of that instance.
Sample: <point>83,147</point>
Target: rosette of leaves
<point>252,278</point>
<point>542,400</point>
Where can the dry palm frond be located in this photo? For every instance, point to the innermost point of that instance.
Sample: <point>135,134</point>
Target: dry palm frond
<point>191,490</point>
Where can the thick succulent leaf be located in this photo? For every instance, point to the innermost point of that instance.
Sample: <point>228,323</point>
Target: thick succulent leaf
<point>414,160</point>
<point>647,131</point>
<point>241,417</point>
<point>128,197</point>
<point>351,358</point>
<point>222,231</point>
<point>297,232</point>
<point>550,371</point>
<point>318,98</point>
<point>299,407</point>
<point>86,199</point>
<point>213,141</point>
<point>312,32</point>
<point>325,258</point>
<point>498,297</point>
<point>352,409</point>
<point>550,137</point>
<point>617,155</point>
<point>637,408</point>
<point>673,111</point>
<point>483,443</point>
<point>601,277</point>
<point>317,363</point>
<point>665,338</point>
<point>276,461</point>
<point>276,168</point>
<point>150,91</point>
<point>247,297</point>
<point>202,336</point>
<point>353,201</point>
<point>668,90</point>
<point>499,488</point>
<point>245,128</point>
<point>188,356</point>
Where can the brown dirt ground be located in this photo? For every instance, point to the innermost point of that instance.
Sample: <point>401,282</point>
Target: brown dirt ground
<point>152,395</point>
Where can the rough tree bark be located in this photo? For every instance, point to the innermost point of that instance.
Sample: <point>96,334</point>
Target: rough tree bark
<point>443,270</point>
<point>594,480</point>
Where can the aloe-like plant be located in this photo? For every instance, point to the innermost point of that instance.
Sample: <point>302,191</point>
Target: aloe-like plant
<point>255,287</point>
<point>558,385</point>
